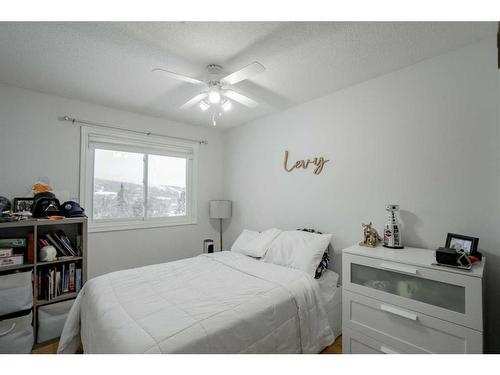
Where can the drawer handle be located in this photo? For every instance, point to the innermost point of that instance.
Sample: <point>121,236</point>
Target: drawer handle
<point>394,267</point>
<point>398,312</point>
<point>9,330</point>
<point>387,350</point>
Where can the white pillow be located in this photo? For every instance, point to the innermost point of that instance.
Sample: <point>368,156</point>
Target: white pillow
<point>298,249</point>
<point>253,243</point>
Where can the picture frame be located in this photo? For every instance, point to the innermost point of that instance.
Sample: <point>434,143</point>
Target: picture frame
<point>461,242</point>
<point>22,204</point>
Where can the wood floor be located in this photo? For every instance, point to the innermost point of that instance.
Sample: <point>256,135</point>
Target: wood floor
<point>51,347</point>
<point>46,348</point>
<point>335,348</point>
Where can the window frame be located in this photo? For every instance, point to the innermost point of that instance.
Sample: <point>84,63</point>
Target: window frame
<point>138,143</point>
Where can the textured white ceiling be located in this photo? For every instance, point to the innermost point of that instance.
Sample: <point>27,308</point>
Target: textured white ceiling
<point>110,63</point>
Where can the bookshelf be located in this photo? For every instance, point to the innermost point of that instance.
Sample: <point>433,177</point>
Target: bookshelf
<point>73,227</point>
<point>61,298</point>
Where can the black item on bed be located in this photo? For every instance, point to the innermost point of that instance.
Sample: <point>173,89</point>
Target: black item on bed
<point>325,260</point>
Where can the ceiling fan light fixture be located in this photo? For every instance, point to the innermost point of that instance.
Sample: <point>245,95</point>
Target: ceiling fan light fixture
<point>204,105</point>
<point>214,96</point>
<point>227,106</point>
<point>216,93</point>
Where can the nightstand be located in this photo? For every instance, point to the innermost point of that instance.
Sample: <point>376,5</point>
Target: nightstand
<point>396,301</point>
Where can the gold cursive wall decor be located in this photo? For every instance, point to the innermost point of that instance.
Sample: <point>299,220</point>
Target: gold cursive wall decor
<point>319,163</point>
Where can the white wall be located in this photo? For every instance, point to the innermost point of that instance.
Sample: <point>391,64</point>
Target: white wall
<point>33,143</point>
<point>425,137</point>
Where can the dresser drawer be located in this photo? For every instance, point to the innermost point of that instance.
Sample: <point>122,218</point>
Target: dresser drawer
<point>406,330</point>
<point>354,342</point>
<point>449,296</point>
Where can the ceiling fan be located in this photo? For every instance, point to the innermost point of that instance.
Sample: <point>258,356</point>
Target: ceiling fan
<point>217,93</point>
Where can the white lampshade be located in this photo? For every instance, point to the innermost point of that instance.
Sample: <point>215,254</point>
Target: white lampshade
<point>220,209</point>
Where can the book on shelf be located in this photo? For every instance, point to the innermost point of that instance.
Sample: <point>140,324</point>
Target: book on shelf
<point>58,280</point>
<point>71,286</point>
<point>79,243</point>
<point>38,284</point>
<point>58,285</point>
<point>60,242</point>
<point>67,243</point>
<point>78,279</point>
<point>12,242</point>
<point>6,252</point>
<point>12,251</point>
<point>65,257</point>
<point>13,260</point>
<point>30,257</point>
<point>48,285</point>
<point>65,280</point>
<point>64,245</point>
<point>52,241</point>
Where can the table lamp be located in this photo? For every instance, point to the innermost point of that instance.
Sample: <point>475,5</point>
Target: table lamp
<point>220,210</point>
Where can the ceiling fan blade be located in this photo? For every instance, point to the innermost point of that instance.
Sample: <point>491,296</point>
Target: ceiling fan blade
<point>240,98</point>
<point>245,73</point>
<point>198,98</point>
<point>180,77</point>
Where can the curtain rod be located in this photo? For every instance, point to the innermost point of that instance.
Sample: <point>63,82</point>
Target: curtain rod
<point>92,123</point>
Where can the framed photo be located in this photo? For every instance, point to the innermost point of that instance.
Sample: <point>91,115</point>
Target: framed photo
<point>460,242</point>
<point>23,204</point>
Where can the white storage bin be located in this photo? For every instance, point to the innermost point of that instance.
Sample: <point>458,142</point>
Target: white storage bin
<point>16,292</point>
<point>16,335</point>
<point>51,319</point>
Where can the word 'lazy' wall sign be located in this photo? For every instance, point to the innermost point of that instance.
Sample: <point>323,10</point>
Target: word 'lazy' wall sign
<point>319,163</point>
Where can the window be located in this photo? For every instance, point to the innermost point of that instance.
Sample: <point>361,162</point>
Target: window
<point>135,181</point>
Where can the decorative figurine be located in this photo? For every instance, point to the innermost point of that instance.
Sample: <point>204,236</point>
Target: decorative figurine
<point>370,236</point>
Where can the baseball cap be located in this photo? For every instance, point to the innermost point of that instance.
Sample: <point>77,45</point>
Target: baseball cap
<point>72,209</point>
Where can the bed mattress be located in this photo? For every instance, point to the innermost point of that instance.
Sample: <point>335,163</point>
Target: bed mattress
<point>214,303</point>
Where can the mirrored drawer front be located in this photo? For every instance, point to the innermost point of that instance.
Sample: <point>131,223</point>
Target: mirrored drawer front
<point>447,296</point>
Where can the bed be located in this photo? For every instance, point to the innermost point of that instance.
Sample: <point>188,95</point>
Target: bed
<point>224,302</point>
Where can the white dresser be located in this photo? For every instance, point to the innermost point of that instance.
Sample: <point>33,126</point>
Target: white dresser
<point>396,301</point>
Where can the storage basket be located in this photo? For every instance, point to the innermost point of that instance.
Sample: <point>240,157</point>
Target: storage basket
<point>51,319</point>
<point>16,335</point>
<point>16,292</point>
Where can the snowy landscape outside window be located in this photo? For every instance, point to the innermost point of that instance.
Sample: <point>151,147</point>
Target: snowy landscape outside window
<point>136,183</point>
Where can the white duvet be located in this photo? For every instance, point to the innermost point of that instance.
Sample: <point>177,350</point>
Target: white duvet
<point>218,303</point>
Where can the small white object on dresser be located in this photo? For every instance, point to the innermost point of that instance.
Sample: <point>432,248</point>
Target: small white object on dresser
<point>396,301</point>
